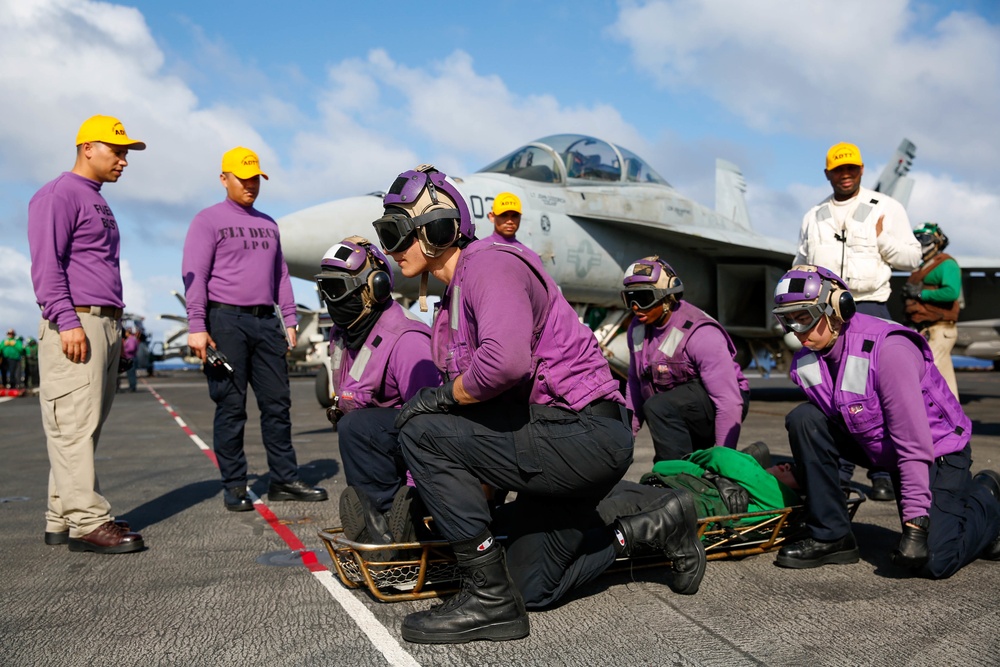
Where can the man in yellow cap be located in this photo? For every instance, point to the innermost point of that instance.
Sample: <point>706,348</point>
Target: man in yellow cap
<point>862,236</point>
<point>74,242</point>
<point>234,273</point>
<point>506,217</point>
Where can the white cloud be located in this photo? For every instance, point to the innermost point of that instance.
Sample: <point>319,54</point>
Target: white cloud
<point>848,69</point>
<point>17,298</point>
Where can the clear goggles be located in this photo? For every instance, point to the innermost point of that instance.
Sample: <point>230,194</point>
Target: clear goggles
<point>439,228</point>
<point>336,286</point>
<point>801,318</point>
<point>643,298</point>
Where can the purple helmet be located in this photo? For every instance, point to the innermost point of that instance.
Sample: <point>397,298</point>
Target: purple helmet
<point>814,290</point>
<point>353,263</point>
<point>421,203</point>
<point>648,281</point>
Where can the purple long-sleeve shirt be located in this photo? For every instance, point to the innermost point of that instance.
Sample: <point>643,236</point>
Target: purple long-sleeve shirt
<point>74,242</point>
<point>900,371</point>
<point>232,254</point>
<point>509,302</point>
<point>708,351</point>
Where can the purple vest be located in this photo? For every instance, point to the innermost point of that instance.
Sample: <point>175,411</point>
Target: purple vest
<point>660,360</point>
<point>851,400</point>
<point>359,375</point>
<point>568,368</point>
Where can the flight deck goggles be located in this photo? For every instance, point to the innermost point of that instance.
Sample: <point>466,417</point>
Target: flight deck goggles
<point>801,317</point>
<point>925,239</point>
<point>336,286</point>
<point>644,298</point>
<point>438,228</point>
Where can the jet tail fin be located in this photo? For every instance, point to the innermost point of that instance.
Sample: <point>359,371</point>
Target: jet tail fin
<point>893,180</point>
<point>730,188</point>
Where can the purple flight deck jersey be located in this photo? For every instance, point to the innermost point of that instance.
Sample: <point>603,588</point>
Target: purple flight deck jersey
<point>74,242</point>
<point>689,346</point>
<point>232,254</point>
<point>879,383</point>
<point>503,325</point>
<point>390,368</point>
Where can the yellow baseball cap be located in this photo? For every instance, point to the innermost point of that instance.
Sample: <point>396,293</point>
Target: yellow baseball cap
<point>107,130</point>
<point>242,163</point>
<point>842,154</point>
<point>506,201</point>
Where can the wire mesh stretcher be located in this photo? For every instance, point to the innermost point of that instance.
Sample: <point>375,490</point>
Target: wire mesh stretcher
<point>427,569</point>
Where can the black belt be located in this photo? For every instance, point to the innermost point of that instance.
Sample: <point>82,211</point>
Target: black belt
<point>609,409</point>
<point>256,311</point>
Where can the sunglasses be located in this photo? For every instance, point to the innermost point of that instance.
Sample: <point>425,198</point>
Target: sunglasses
<point>396,231</point>
<point>643,298</point>
<point>801,320</point>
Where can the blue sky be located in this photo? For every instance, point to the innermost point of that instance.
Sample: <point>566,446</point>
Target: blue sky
<point>339,97</point>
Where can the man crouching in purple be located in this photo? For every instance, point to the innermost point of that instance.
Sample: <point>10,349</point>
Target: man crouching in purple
<point>876,399</point>
<point>528,405</point>
<point>380,355</point>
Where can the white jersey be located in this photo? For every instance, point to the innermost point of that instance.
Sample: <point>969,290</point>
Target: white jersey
<point>841,236</point>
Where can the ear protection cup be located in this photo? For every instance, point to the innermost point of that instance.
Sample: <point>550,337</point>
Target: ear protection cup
<point>380,286</point>
<point>842,303</point>
<point>673,281</point>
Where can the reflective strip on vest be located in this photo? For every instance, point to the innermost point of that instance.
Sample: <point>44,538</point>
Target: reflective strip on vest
<point>855,379</point>
<point>670,343</point>
<point>824,213</point>
<point>809,371</point>
<point>456,301</point>
<point>638,336</point>
<point>358,367</point>
<point>861,212</point>
<point>338,356</point>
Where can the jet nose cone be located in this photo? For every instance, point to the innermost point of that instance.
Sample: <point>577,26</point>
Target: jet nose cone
<point>306,234</point>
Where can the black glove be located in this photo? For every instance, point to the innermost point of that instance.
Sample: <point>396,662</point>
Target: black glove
<point>912,552</point>
<point>333,413</point>
<point>427,401</point>
<point>912,290</point>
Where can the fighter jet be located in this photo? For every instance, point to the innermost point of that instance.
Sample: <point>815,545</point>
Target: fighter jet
<point>590,208</point>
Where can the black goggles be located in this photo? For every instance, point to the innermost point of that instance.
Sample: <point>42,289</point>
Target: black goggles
<point>396,231</point>
<point>644,298</point>
<point>336,287</point>
<point>925,239</point>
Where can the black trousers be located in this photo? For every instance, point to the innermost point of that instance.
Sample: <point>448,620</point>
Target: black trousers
<point>682,420</point>
<point>965,518</point>
<point>561,464</point>
<point>371,455</point>
<point>255,347</point>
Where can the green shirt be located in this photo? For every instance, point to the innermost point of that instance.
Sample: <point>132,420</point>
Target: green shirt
<point>766,492</point>
<point>947,278</point>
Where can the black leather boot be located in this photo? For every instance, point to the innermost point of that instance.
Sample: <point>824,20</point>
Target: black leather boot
<point>991,481</point>
<point>813,553</point>
<point>669,526</point>
<point>488,606</point>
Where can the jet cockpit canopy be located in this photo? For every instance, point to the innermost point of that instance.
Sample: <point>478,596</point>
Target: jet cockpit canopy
<point>575,159</point>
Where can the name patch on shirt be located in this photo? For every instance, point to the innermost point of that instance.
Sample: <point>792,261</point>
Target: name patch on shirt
<point>856,408</point>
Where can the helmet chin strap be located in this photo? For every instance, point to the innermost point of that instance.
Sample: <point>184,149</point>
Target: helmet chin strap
<point>423,292</point>
<point>368,301</point>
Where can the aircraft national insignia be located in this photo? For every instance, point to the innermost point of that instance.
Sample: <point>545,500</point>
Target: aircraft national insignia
<point>583,258</point>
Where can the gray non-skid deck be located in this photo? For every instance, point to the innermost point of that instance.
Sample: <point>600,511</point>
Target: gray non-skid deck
<point>219,588</point>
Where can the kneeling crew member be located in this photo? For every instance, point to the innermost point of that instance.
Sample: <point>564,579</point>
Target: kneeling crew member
<point>687,387</point>
<point>529,405</point>
<point>380,355</point>
<point>876,398</point>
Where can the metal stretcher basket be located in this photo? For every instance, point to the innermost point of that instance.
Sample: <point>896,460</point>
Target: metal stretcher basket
<point>427,569</point>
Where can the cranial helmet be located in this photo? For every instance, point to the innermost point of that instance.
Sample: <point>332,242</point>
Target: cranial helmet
<point>352,264</point>
<point>932,239</point>
<point>650,280</point>
<point>815,290</point>
<point>422,204</point>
